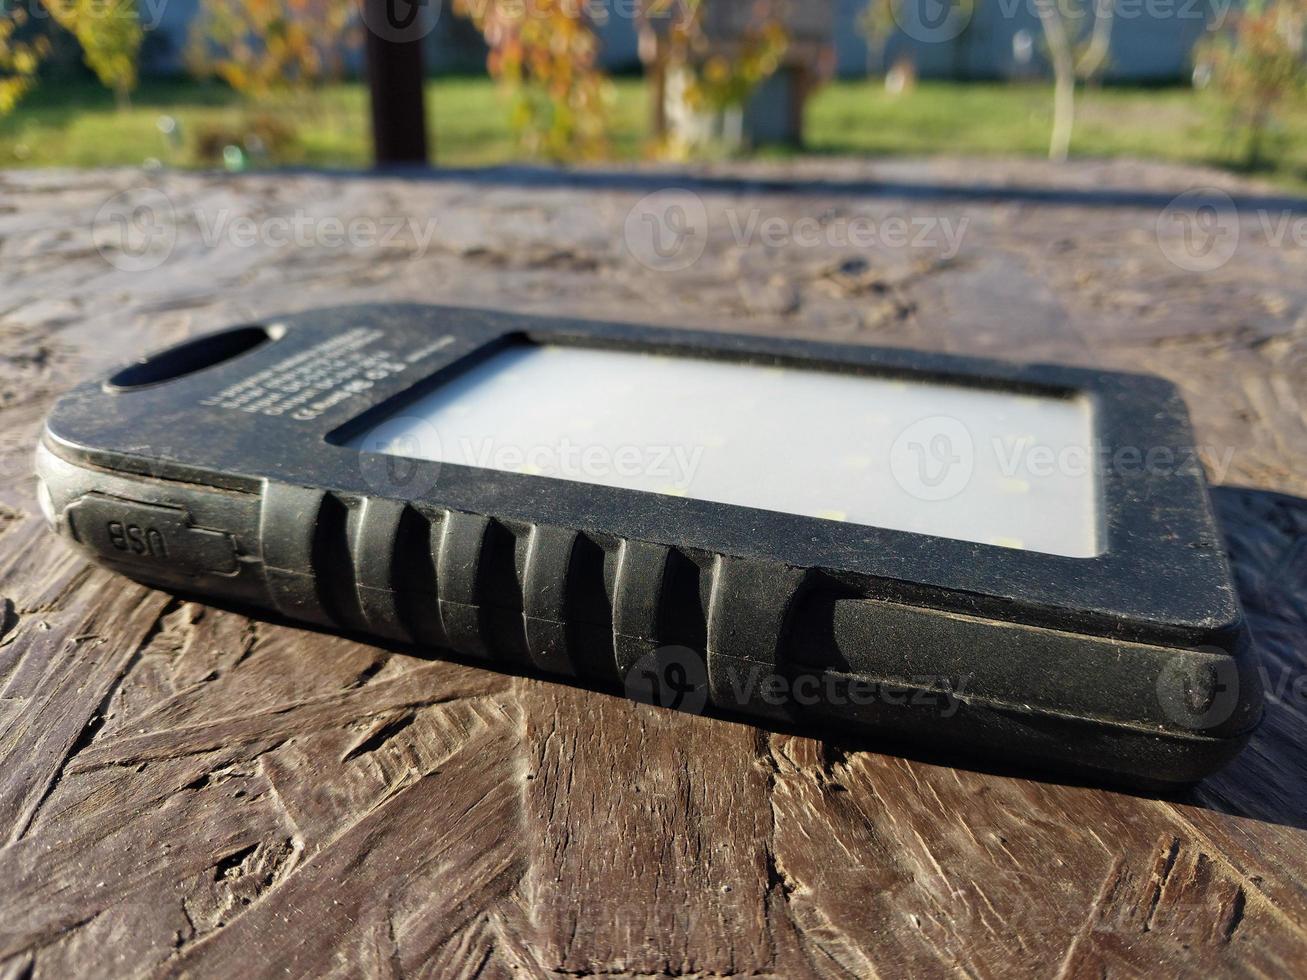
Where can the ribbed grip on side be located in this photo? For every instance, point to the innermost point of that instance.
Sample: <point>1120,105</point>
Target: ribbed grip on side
<point>549,597</point>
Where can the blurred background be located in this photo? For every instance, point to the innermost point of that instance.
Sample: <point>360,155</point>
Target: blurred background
<point>248,84</point>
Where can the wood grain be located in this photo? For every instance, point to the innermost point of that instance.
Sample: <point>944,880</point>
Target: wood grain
<point>187,791</point>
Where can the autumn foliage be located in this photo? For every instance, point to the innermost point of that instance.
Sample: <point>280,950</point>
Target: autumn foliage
<point>109,32</point>
<point>545,53</point>
<point>263,46</point>
<point>721,77</point>
<point>19,60</point>
<point>1256,64</point>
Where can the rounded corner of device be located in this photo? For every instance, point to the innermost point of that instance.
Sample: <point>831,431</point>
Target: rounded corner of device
<point>56,476</point>
<point>1207,759</point>
<point>58,452</point>
<point>1170,761</point>
<point>53,451</point>
<point>1148,383</point>
<point>1214,693</point>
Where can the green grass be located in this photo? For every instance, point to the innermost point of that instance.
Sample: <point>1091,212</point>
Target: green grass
<point>78,125</point>
<point>1175,124</point>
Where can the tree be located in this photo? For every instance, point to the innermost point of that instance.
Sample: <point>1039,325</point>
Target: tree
<point>19,59</point>
<point>1073,58</point>
<point>108,31</point>
<point>110,34</point>
<point>545,54</point>
<point>1078,39</point>
<point>707,58</point>
<point>261,46</point>
<point>1256,65</point>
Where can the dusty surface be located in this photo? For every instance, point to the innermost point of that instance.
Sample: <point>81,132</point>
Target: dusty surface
<point>186,789</point>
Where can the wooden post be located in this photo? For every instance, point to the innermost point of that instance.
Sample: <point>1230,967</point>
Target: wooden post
<point>395,76</point>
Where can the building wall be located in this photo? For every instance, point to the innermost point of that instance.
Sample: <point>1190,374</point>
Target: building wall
<point>1151,40</point>
<point>167,23</point>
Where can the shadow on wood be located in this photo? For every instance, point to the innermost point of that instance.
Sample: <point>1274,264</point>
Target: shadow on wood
<point>1266,536</point>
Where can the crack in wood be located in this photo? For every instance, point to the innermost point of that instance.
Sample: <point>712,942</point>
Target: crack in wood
<point>378,734</point>
<point>1160,876</point>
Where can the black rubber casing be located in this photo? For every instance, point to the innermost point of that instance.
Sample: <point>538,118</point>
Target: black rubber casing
<point>219,468</point>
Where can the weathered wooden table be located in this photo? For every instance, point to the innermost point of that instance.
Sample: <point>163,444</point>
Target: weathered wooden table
<point>182,788</point>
